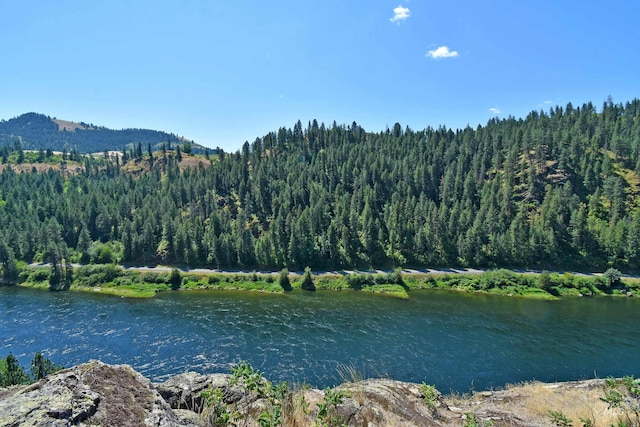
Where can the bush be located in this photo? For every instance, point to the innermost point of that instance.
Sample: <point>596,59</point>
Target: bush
<point>307,280</point>
<point>94,275</point>
<point>612,277</point>
<point>176,279</point>
<point>496,279</point>
<point>156,278</point>
<point>395,277</point>
<point>430,395</point>
<point>39,275</point>
<point>359,281</point>
<point>430,282</point>
<point>284,281</point>
<point>544,281</point>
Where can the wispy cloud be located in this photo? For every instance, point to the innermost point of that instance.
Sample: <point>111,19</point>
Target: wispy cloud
<point>495,110</point>
<point>442,52</point>
<point>544,104</point>
<point>400,14</point>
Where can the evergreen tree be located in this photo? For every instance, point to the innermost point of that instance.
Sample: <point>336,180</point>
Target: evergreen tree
<point>283,280</point>
<point>307,280</point>
<point>42,366</point>
<point>175,279</point>
<point>14,373</point>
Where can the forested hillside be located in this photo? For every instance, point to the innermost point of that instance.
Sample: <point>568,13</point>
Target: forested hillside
<point>37,131</point>
<point>554,189</point>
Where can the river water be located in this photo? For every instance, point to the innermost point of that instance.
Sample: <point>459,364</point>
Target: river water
<point>458,342</point>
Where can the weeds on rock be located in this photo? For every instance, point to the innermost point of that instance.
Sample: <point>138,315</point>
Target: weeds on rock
<point>621,396</point>
<point>280,405</point>
<point>271,417</point>
<point>559,419</point>
<point>328,415</point>
<point>431,396</point>
<point>470,420</point>
<point>625,397</point>
<point>216,412</point>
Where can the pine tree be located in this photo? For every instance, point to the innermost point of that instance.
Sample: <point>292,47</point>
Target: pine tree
<point>307,281</point>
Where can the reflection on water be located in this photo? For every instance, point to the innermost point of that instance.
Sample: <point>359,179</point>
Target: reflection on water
<point>455,341</point>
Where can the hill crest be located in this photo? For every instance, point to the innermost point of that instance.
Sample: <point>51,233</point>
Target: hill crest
<point>38,131</point>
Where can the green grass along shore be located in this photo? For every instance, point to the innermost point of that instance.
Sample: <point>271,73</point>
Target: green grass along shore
<point>131,283</point>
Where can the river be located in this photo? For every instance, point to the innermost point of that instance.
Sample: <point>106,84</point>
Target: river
<point>458,342</point>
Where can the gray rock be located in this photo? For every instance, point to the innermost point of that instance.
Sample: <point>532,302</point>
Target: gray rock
<point>96,394</point>
<point>183,391</point>
<point>382,402</point>
<point>90,394</point>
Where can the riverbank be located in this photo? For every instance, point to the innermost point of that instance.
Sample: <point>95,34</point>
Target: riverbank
<point>98,394</point>
<point>146,282</point>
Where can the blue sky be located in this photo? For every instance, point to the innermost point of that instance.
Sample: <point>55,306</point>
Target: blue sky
<point>225,72</point>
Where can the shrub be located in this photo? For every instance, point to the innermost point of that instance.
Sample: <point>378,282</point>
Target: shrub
<point>471,420</point>
<point>359,281</point>
<point>625,398</point>
<point>39,275</point>
<point>430,395</point>
<point>328,414</point>
<point>544,281</point>
<point>307,280</point>
<point>284,281</point>
<point>496,279</point>
<point>94,275</point>
<point>559,419</point>
<point>216,412</point>
<point>430,282</point>
<point>612,277</point>
<point>157,278</point>
<point>176,279</point>
<point>395,277</point>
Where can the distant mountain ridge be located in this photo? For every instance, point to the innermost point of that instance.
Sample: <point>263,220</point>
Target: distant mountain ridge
<point>37,131</point>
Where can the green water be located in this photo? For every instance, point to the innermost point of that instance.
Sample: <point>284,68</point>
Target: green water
<point>455,341</point>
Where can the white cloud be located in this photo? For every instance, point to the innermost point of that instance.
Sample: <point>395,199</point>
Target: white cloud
<point>442,52</point>
<point>544,104</point>
<point>495,110</point>
<point>400,14</point>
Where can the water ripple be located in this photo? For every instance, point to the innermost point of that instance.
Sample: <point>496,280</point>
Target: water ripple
<point>451,340</point>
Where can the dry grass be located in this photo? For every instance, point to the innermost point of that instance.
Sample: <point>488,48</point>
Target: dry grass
<point>70,169</point>
<point>296,414</point>
<point>69,126</point>
<point>537,399</point>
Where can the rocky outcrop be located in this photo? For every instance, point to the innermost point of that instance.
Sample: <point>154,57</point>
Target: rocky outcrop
<point>184,391</point>
<point>90,394</point>
<point>386,402</point>
<point>96,394</point>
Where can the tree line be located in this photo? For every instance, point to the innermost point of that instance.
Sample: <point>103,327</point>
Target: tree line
<point>38,131</point>
<point>13,373</point>
<point>554,189</point>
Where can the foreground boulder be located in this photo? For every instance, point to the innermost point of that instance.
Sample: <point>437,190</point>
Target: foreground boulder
<point>97,394</point>
<point>90,394</point>
<point>184,391</point>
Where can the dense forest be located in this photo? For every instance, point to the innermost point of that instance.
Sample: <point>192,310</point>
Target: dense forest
<point>37,131</point>
<point>554,189</point>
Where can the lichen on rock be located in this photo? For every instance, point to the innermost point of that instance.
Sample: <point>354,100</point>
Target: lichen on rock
<point>93,393</point>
